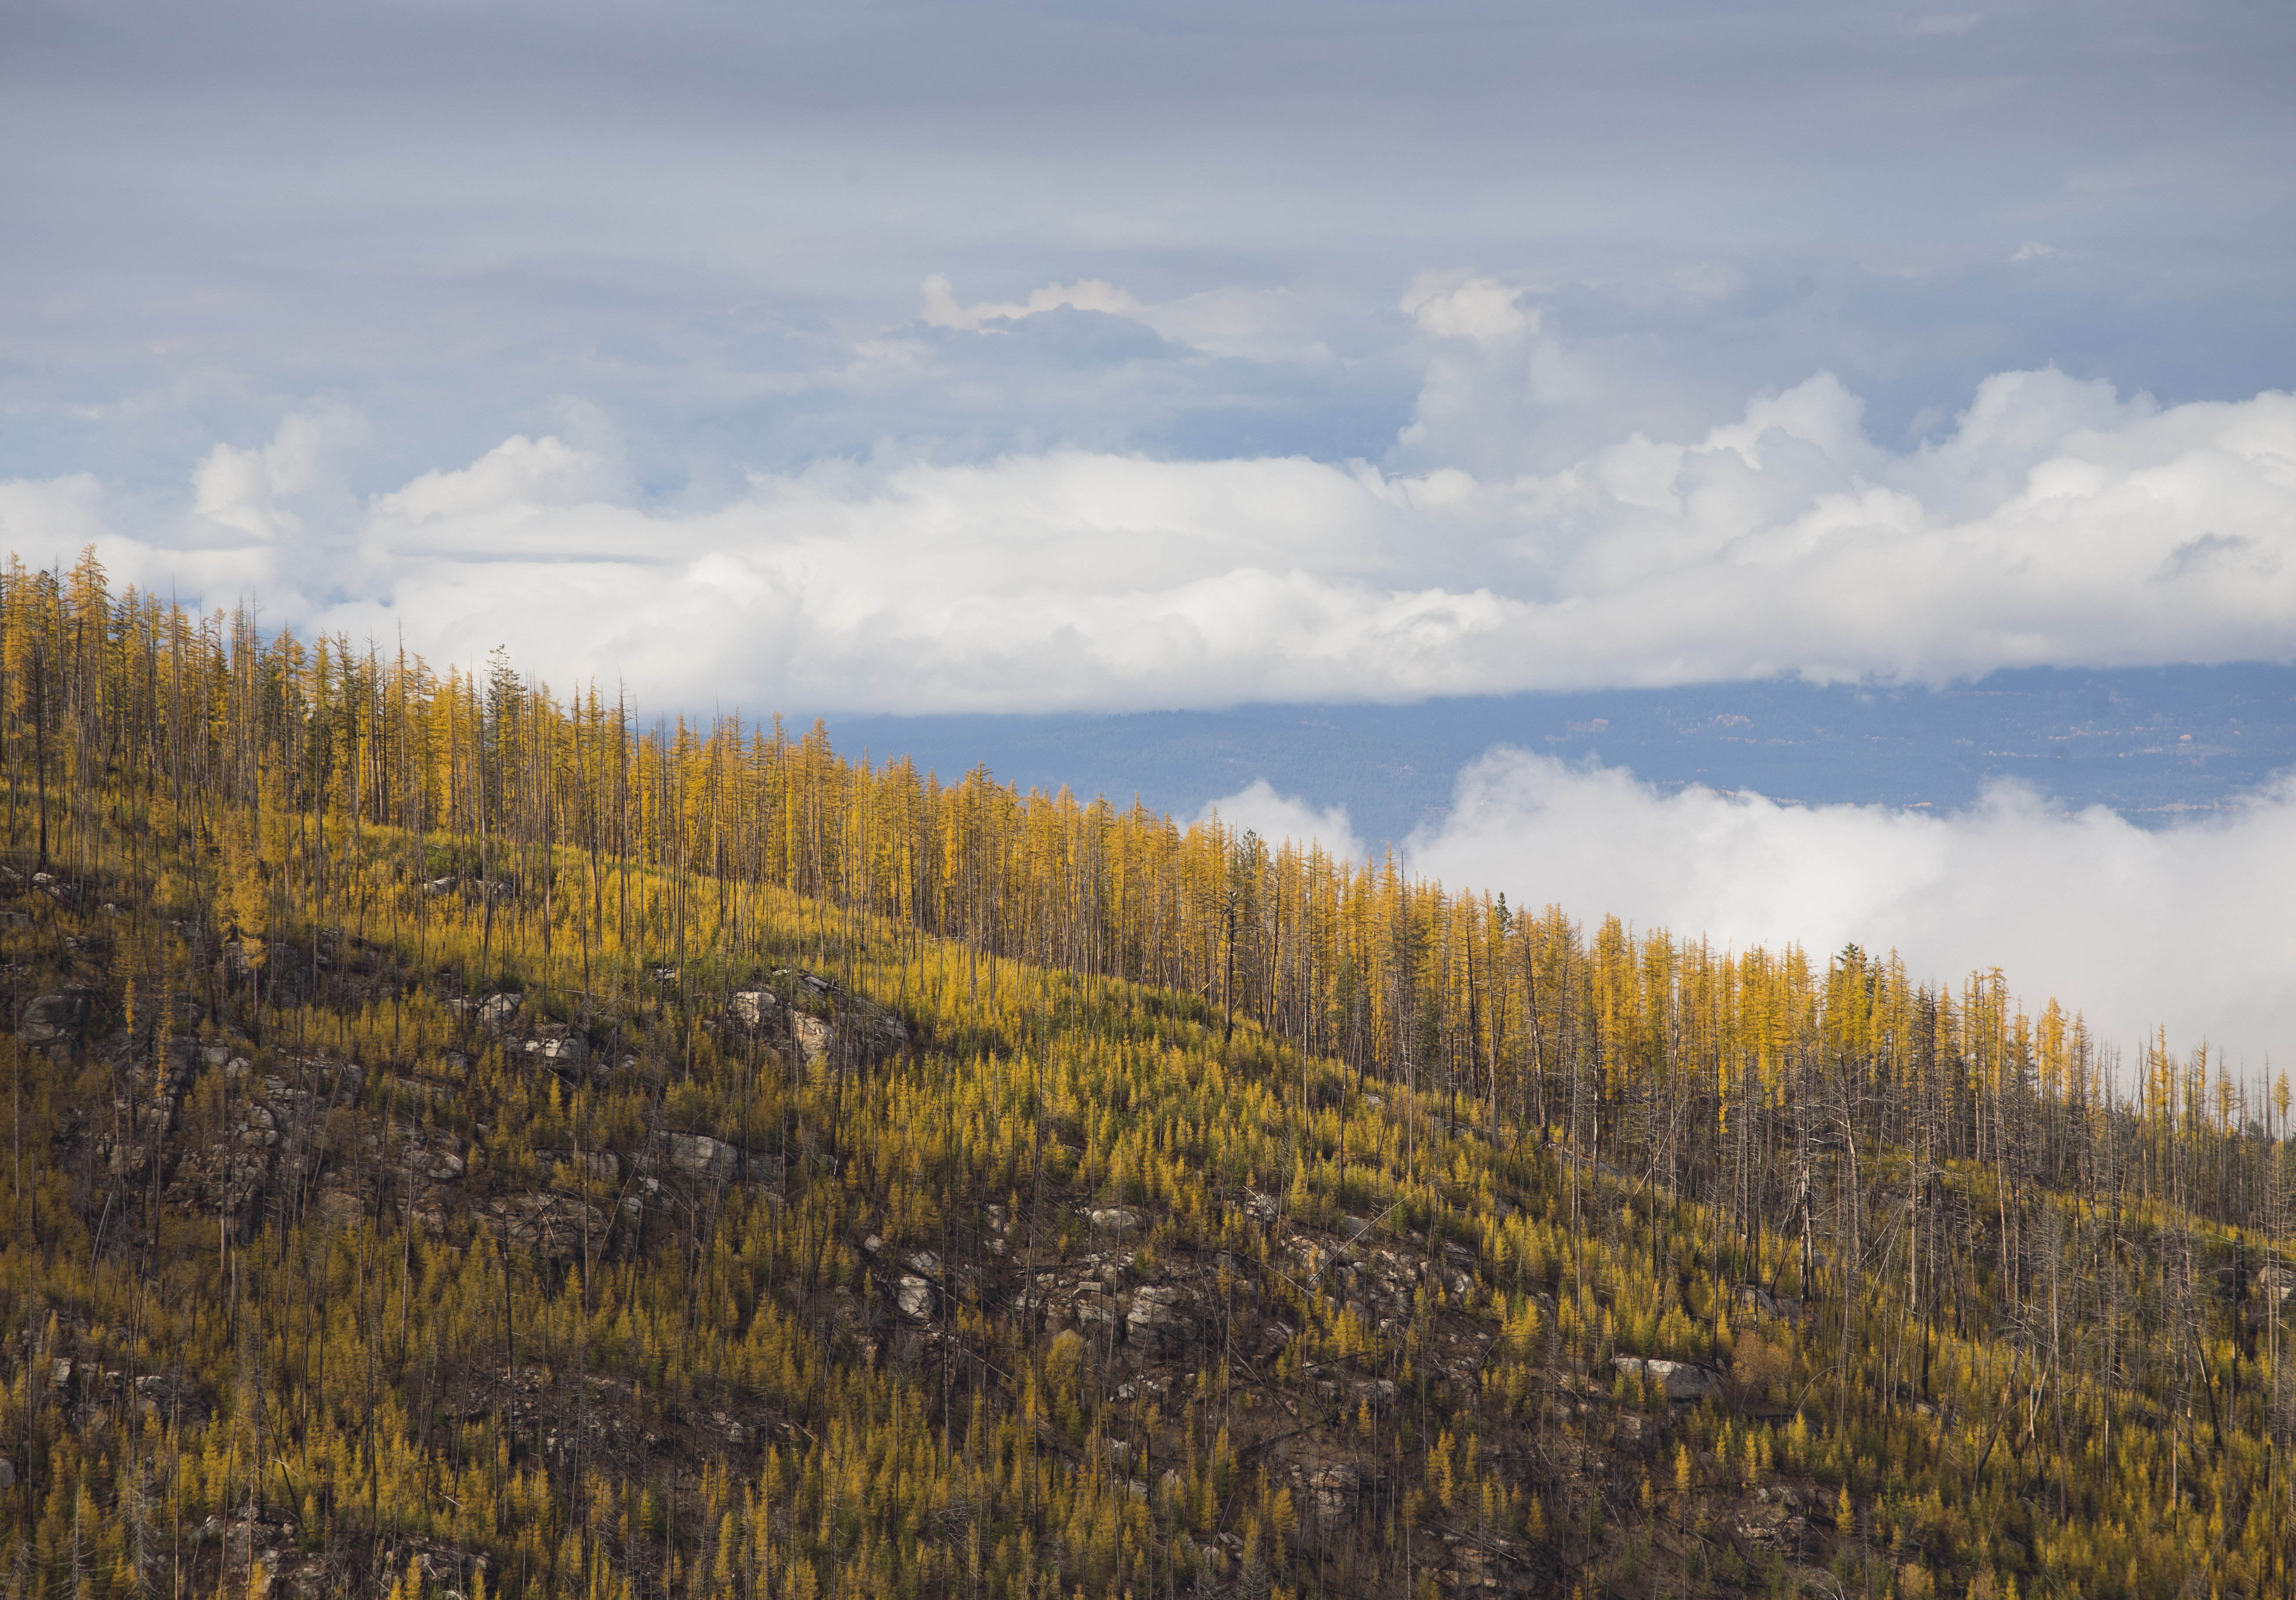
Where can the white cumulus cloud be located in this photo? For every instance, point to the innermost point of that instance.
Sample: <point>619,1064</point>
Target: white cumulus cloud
<point>1285,819</point>
<point>1482,310</point>
<point>2059,523</point>
<point>2183,928</point>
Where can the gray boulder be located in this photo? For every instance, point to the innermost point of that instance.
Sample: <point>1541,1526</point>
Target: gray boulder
<point>566,1051</point>
<point>702,1158</point>
<point>1679,1380</point>
<point>1162,1322</point>
<point>50,1019</point>
<point>1334,1490</point>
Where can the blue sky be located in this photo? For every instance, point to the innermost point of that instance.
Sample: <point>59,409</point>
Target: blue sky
<point>1046,358</point>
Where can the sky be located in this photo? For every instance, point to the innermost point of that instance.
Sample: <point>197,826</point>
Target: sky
<point>882,359</point>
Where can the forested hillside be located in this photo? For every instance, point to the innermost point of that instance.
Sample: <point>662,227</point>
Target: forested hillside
<point>465,1141</point>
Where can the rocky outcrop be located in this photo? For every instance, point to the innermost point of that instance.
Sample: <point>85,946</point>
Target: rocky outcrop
<point>556,1225</point>
<point>554,1046</point>
<point>1162,1322</point>
<point>60,1018</point>
<point>1678,1380</point>
<point>861,1034</point>
<point>698,1157</point>
<point>1334,1491</point>
<point>812,1037</point>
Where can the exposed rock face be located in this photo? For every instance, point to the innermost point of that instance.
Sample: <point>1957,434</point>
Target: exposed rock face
<point>1334,1490</point>
<point>914,1297</point>
<point>270,1142</point>
<point>499,1011</point>
<point>554,1223</point>
<point>436,1156</point>
<point>1679,1379</point>
<point>556,1047</point>
<point>1161,1321</point>
<point>54,1019</point>
<point>700,1157</point>
<point>863,1033</point>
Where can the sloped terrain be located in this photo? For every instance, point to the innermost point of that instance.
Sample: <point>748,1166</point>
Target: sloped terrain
<point>913,1311</point>
<point>459,1145</point>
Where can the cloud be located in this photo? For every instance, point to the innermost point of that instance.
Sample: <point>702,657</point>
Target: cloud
<point>1482,310</point>
<point>2183,927</point>
<point>704,223</point>
<point>1088,294</point>
<point>267,493</point>
<point>1280,819</point>
<point>1250,324</point>
<point>45,520</point>
<point>1261,325</point>
<point>2059,523</point>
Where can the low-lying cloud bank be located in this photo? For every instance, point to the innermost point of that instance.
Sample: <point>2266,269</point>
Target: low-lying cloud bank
<point>2058,523</point>
<point>2186,927</point>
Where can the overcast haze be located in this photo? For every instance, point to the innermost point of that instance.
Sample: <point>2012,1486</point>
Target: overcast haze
<point>1009,358</point>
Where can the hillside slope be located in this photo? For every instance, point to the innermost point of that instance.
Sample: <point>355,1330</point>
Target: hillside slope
<point>459,1143</point>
